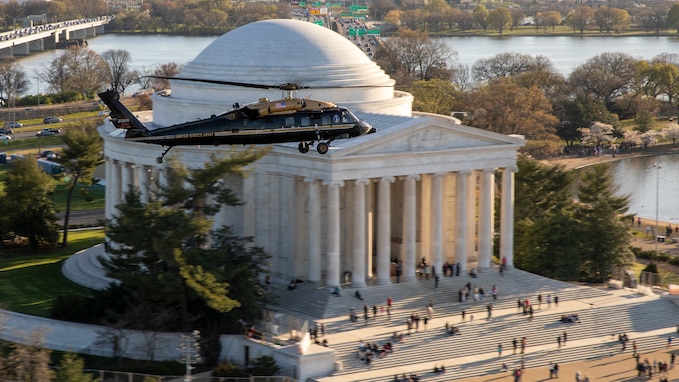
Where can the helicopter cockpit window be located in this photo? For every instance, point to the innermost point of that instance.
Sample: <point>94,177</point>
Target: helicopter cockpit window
<point>347,117</point>
<point>305,121</point>
<point>326,119</point>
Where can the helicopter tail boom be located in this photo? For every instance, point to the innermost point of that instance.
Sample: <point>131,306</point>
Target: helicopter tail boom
<point>122,117</point>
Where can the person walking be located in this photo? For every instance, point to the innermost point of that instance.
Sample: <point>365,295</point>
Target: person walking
<point>499,350</point>
<point>514,345</point>
<point>565,337</point>
<point>558,341</point>
<point>490,311</point>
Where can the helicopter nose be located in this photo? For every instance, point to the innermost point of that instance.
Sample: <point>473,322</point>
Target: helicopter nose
<point>364,127</point>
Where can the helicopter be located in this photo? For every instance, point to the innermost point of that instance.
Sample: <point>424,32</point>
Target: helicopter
<point>266,121</point>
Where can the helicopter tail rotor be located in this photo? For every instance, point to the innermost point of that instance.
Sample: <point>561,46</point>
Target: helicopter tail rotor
<point>122,117</point>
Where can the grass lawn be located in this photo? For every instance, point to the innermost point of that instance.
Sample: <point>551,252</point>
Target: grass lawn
<point>31,281</point>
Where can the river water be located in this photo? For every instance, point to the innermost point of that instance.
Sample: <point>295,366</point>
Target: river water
<point>636,177</point>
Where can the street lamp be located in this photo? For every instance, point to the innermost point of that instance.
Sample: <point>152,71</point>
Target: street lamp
<point>190,352</point>
<point>37,79</point>
<point>657,166</point>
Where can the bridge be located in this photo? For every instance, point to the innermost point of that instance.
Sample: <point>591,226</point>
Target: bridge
<point>22,42</point>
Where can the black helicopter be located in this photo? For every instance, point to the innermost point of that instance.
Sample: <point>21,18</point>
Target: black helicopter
<point>264,122</point>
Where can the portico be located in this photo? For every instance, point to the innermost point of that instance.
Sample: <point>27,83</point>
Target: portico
<point>422,187</point>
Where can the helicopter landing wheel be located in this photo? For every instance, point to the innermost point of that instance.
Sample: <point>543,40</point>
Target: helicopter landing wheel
<point>303,147</point>
<point>159,159</point>
<point>322,147</point>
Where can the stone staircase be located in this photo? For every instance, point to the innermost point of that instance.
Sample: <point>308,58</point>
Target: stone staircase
<point>603,315</point>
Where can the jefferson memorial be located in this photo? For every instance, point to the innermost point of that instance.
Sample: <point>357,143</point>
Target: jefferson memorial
<point>422,187</point>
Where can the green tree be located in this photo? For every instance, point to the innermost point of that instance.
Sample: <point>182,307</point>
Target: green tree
<point>28,209</point>
<point>554,207</point>
<point>480,14</point>
<point>71,369</point>
<point>175,273</point>
<point>433,96</point>
<point>605,227</point>
<point>673,17</point>
<point>500,19</point>
<point>580,112</point>
<point>81,156</point>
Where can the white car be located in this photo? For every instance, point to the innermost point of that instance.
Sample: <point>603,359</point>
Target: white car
<point>4,137</point>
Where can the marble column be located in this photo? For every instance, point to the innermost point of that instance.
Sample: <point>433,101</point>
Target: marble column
<point>111,180</point>
<point>507,217</point>
<point>384,231</point>
<point>358,270</point>
<point>409,227</point>
<point>143,181</point>
<point>125,179</point>
<point>486,219</point>
<point>437,210</point>
<point>461,226</point>
<point>314,237</point>
<point>332,276</point>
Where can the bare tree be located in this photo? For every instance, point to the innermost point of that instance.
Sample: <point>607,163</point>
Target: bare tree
<point>13,81</point>
<point>163,72</point>
<point>121,76</point>
<point>78,70</point>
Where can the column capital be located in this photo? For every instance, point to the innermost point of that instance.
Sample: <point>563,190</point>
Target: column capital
<point>439,174</point>
<point>412,177</point>
<point>362,181</point>
<point>512,168</point>
<point>386,179</point>
<point>464,172</point>
<point>332,183</point>
<point>310,180</point>
<point>486,170</point>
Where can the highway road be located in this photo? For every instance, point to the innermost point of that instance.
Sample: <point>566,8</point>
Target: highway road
<point>86,217</point>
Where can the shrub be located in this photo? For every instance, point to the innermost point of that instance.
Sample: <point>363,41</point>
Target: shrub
<point>227,369</point>
<point>651,268</point>
<point>264,366</point>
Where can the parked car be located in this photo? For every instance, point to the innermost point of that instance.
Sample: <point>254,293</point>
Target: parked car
<point>5,138</point>
<point>49,154</point>
<point>51,119</point>
<point>6,131</point>
<point>13,124</point>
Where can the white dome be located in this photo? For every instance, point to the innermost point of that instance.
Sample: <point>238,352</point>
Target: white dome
<point>275,52</point>
<point>279,51</point>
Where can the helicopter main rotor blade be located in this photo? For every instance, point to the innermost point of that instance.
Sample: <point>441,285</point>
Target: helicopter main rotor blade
<point>289,86</point>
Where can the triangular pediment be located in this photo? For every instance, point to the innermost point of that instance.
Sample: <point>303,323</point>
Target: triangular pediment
<point>427,134</point>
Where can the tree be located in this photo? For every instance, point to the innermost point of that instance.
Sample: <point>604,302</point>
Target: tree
<point>480,14</point>
<point>550,212</point>
<point>580,18</point>
<point>13,81</point>
<point>163,72</point>
<point>79,70</point>
<point>673,17</point>
<point>577,113</point>
<point>605,226</point>
<point>549,19</point>
<point>118,61</point>
<point>433,96</point>
<point>81,156</point>
<point>27,206</point>
<point>500,19</point>
<point>29,361</point>
<point>604,77</point>
<point>608,18</point>
<point>507,108</point>
<point>412,56</point>
<point>71,369</point>
<point>597,134</point>
<point>655,19</point>
<point>544,222</point>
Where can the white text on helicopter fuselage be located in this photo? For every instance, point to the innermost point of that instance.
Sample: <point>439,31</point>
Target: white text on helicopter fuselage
<point>195,135</point>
